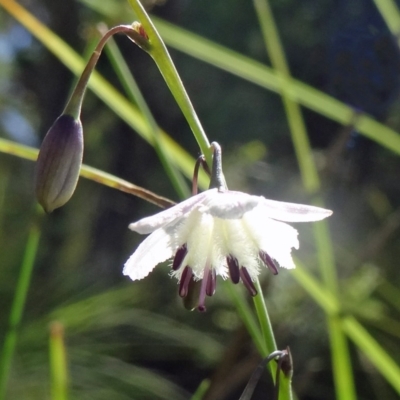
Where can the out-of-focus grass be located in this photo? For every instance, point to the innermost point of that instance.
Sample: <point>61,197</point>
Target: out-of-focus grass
<point>100,313</point>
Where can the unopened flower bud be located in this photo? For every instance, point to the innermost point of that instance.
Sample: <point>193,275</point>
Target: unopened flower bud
<point>286,363</point>
<point>59,163</point>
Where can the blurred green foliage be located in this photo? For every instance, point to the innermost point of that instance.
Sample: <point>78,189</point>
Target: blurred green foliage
<point>129,340</point>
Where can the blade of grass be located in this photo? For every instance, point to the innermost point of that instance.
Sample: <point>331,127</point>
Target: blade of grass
<point>58,362</point>
<point>102,88</point>
<point>391,15</point>
<point>94,174</point>
<point>296,123</point>
<point>201,390</point>
<point>135,96</point>
<point>264,76</point>
<point>341,360</point>
<point>160,55</point>
<point>373,351</point>
<point>18,305</point>
<point>355,331</point>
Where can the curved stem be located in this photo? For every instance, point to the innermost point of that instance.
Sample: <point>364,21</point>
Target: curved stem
<point>74,104</point>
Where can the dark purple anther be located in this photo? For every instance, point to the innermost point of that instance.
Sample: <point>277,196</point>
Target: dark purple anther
<point>204,289</point>
<point>244,274</point>
<point>233,265</point>
<point>269,262</point>
<point>211,282</point>
<point>179,256</point>
<point>186,277</point>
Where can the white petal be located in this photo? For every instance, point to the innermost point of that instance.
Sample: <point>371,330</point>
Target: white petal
<point>291,212</point>
<point>154,249</point>
<point>275,238</point>
<point>229,204</point>
<point>150,224</point>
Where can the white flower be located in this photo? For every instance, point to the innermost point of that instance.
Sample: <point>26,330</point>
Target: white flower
<point>220,232</point>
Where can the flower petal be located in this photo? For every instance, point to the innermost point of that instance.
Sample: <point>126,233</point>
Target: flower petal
<point>154,249</point>
<point>273,237</point>
<point>229,204</point>
<point>150,224</point>
<point>291,212</point>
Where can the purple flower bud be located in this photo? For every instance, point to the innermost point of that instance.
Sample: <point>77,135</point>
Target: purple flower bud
<point>59,163</point>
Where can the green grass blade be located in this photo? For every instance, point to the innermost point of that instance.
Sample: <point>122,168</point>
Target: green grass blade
<point>18,305</point>
<point>102,88</point>
<point>94,174</point>
<point>135,96</point>
<point>293,112</point>
<point>373,351</point>
<point>341,360</point>
<point>353,329</point>
<point>390,13</point>
<point>58,363</point>
<point>160,54</point>
<point>264,76</point>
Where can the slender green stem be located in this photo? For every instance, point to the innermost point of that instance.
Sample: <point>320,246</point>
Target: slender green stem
<point>94,174</point>
<point>74,104</point>
<point>285,390</point>
<point>134,94</point>
<point>160,54</point>
<point>296,123</point>
<point>382,361</point>
<point>391,14</point>
<point>18,306</point>
<point>372,349</point>
<point>102,88</point>
<point>341,360</point>
<point>58,363</point>
<point>201,390</point>
<point>265,322</point>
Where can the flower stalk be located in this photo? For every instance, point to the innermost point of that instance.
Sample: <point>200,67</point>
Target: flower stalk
<point>60,157</point>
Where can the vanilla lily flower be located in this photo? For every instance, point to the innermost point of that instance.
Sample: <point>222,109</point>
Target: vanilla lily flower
<point>219,232</point>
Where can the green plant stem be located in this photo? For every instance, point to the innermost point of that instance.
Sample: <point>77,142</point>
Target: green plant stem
<point>201,390</point>
<point>58,362</point>
<point>341,361</point>
<point>265,323</point>
<point>94,174</point>
<point>268,78</point>
<point>285,390</point>
<point>74,104</point>
<point>391,14</point>
<point>102,88</point>
<point>134,94</point>
<point>18,305</point>
<point>354,330</point>
<point>295,119</point>
<point>160,55</point>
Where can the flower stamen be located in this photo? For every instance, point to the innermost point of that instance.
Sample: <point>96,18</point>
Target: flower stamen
<point>244,274</point>
<point>179,256</point>
<point>233,265</point>
<point>268,261</point>
<point>204,289</point>
<point>186,277</point>
<point>211,282</point>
